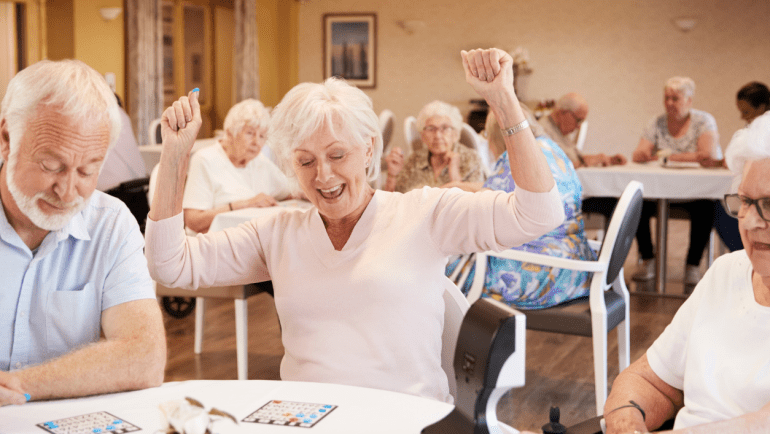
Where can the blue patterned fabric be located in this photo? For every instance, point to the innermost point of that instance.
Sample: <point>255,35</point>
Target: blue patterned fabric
<point>529,285</point>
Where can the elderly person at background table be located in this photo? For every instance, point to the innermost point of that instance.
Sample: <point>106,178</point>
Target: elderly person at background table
<point>233,174</point>
<point>752,100</point>
<point>441,160</point>
<point>533,286</point>
<point>78,314</point>
<point>344,270</point>
<point>689,135</point>
<point>569,113</point>
<point>709,367</point>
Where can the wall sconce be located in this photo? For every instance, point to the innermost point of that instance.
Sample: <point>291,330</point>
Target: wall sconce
<point>109,14</point>
<point>685,24</point>
<point>410,26</point>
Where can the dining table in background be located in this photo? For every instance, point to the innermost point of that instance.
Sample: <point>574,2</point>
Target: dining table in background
<point>665,183</point>
<point>357,410</point>
<point>231,219</point>
<point>151,153</point>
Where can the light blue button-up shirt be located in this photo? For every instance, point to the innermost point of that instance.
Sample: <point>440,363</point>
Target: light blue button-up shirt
<point>51,300</point>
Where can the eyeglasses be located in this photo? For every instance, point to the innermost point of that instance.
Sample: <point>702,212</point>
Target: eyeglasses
<point>431,129</point>
<point>738,206</point>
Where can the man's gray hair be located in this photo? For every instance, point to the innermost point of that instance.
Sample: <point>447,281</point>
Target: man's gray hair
<point>683,85</point>
<point>308,107</point>
<point>440,108</point>
<point>749,144</point>
<point>75,89</point>
<point>248,112</point>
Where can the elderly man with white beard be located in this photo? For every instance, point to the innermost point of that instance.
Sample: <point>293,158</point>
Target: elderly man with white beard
<point>78,314</point>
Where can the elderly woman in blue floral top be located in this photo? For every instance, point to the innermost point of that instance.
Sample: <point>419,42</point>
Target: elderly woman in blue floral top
<point>530,285</point>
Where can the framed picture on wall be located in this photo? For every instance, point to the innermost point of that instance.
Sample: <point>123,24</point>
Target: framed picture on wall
<point>350,45</point>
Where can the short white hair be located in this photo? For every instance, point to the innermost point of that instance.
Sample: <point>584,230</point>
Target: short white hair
<point>73,88</point>
<point>308,107</point>
<point>749,144</point>
<point>440,108</point>
<point>683,85</point>
<point>248,112</point>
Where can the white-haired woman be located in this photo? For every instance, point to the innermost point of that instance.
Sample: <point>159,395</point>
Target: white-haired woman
<point>686,134</point>
<point>359,278</point>
<point>709,367</point>
<point>441,160</point>
<point>233,173</point>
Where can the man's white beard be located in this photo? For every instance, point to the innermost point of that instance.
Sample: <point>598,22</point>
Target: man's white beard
<point>28,205</point>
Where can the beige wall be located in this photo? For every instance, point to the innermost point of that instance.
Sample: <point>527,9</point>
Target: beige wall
<point>617,54</point>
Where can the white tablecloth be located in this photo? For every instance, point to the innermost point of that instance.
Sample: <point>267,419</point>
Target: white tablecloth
<point>234,218</point>
<point>659,182</point>
<point>359,410</point>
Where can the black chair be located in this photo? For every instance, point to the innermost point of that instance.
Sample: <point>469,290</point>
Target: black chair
<point>600,312</point>
<point>134,194</point>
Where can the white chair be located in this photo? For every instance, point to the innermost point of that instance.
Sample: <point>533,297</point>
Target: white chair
<point>412,139</point>
<point>387,121</point>
<point>470,138</point>
<point>153,132</point>
<point>601,311</point>
<point>455,307</point>
<point>238,293</point>
<point>581,136</point>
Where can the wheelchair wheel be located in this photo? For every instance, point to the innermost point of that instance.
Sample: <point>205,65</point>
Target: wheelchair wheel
<point>178,307</point>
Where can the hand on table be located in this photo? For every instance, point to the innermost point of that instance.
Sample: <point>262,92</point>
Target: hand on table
<point>261,200</point>
<point>180,124</point>
<point>641,156</point>
<point>10,390</point>
<point>602,160</point>
<point>395,160</point>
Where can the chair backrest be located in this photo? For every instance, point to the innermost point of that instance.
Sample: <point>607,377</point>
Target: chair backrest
<point>621,230</point>
<point>581,136</point>
<point>455,307</point>
<point>154,132</point>
<point>412,139</point>
<point>469,137</point>
<point>387,119</point>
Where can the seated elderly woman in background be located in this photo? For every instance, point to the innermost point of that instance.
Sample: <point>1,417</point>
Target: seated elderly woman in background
<point>343,270</point>
<point>441,159</point>
<point>535,286</point>
<point>233,174</point>
<point>688,135</point>
<point>709,367</point>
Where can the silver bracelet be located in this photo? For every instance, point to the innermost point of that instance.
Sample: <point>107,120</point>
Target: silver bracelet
<point>515,129</point>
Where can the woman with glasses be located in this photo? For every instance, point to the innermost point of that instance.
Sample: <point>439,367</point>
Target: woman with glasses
<point>684,134</point>
<point>709,367</point>
<point>441,160</point>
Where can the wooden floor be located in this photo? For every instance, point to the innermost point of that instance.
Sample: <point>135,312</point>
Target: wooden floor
<point>559,367</point>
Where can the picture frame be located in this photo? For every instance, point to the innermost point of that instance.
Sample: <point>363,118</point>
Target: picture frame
<point>350,48</point>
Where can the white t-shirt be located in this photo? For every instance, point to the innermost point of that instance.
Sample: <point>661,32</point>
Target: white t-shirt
<point>716,348</point>
<point>371,314</point>
<point>213,180</point>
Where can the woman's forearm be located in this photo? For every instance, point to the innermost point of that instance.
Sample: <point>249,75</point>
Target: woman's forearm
<point>529,168</point>
<point>169,187</point>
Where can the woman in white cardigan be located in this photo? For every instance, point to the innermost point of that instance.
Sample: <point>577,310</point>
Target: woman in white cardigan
<point>359,278</point>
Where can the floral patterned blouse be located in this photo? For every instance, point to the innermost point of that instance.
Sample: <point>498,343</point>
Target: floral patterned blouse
<point>533,286</point>
<point>417,171</point>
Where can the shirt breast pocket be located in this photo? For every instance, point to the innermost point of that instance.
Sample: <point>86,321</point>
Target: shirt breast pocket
<point>73,319</point>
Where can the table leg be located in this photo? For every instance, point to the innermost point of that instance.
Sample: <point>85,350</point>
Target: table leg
<point>661,232</point>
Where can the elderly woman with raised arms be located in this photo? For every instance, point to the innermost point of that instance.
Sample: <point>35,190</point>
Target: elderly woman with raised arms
<point>233,173</point>
<point>709,367</point>
<point>358,278</point>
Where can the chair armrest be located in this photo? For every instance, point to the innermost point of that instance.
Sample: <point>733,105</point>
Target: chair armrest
<point>551,261</point>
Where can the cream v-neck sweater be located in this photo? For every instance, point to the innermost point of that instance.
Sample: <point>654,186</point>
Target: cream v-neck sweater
<point>370,314</point>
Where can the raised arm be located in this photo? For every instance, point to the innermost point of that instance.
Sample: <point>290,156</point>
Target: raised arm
<point>180,124</point>
<point>490,73</point>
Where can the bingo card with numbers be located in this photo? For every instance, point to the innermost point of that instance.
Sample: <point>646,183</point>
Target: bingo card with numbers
<point>100,422</point>
<point>290,413</point>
